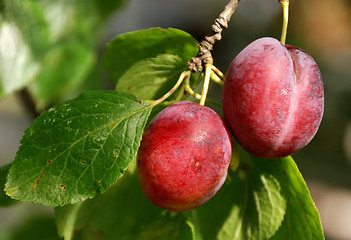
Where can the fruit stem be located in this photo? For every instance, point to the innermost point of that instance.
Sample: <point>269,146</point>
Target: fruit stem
<point>285,5</point>
<point>180,93</point>
<point>183,75</point>
<point>216,78</point>
<point>218,72</point>
<point>207,78</point>
<point>189,90</point>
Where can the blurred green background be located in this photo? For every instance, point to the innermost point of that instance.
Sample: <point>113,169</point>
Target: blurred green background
<point>50,51</point>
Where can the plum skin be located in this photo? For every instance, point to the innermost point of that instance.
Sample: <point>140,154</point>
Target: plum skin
<point>184,156</point>
<point>273,98</point>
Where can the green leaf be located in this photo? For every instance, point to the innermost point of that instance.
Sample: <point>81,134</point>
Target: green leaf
<point>64,68</point>
<point>4,199</point>
<point>150,78</point>
<point>263,199</point>
<point>107,7</point>
<point>49,45</point>
<point>30,19</point>
<point>126,49</point>
<point>78,148</point>
<point>301,220</point>
<point>122,212</point>
<point>1,6</point>
<point>250,205</point>
<point>17,66</point>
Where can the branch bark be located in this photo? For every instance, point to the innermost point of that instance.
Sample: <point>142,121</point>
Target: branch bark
<point>204,56</point>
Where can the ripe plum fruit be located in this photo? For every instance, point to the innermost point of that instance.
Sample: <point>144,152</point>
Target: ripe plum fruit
<point>273,98</point>
<point>184,156</point>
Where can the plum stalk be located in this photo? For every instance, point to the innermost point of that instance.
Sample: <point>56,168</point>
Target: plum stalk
<point>204,57</point>
<point>285,6</point>
<point>182,77</point>
<point>208,69</point>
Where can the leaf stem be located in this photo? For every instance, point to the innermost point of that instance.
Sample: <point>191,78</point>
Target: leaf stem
<point>285,6</point>
<point>180,93</point>
<point>215,78</point>
<point>181,78</point>
<point>207,78</point>
<point>197,81</point>
<point>218,72</point>
<point>189,90</point>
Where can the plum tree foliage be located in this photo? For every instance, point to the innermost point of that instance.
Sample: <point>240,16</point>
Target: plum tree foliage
<point>149,160</point>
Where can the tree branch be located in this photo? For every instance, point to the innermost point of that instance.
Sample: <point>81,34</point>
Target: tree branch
<point>204,56</point>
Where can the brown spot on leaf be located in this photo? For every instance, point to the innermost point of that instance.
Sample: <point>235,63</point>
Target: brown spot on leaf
<point>138,101</point>
<point>49,161</point>
<point>36,183</point>
<point>61,186</point>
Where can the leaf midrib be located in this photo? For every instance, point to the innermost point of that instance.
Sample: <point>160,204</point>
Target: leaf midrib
<point>116,123</point>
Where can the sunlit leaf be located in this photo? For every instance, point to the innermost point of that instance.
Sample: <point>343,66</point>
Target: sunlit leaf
<point>249,206</point>
<point>152,77</point>
<point>262,199</point>
<point>64,68</point>
<point>301,220</point>
<point>17,66</point>
<point>127,49</point>
<point>78,148</point>
<point>50,46</point>
<point>30,19</point>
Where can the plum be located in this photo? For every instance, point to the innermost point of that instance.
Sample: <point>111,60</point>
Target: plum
<point>273,98</point>
<point>184,156</point>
